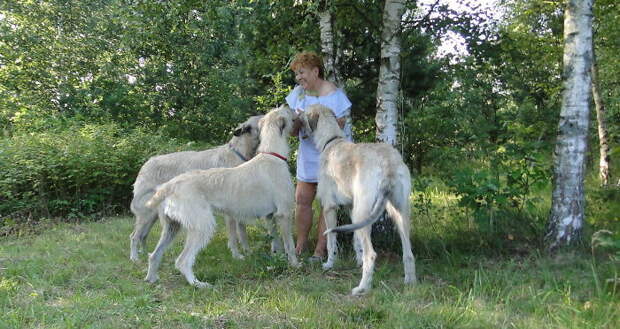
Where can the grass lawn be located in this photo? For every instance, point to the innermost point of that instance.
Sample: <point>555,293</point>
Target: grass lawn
<point>80,276</point>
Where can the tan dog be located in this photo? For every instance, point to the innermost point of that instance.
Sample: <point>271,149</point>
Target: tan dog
<point>161,168</point>
<point>372,178</point>
<point>260,187</point>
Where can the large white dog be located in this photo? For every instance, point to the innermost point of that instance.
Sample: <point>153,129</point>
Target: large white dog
<point>372,178</point>
<point>260,187</point>
<point>161,168</point>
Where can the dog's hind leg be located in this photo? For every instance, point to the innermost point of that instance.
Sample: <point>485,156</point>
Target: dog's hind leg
<point>359,252</point>
<point>195,241</point>
<point>169,231</point>
<point>233,232</point>
<point>400,217</point>
<point>242,236</point>
<point>144,222</point>
<point>368,266</point>
<point>329,213</point>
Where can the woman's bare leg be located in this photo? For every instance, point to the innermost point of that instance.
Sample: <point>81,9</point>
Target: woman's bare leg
<point>321,239</point>
<point>304,195</point>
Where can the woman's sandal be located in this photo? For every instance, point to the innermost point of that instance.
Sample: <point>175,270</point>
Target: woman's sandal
<point>315,259</point>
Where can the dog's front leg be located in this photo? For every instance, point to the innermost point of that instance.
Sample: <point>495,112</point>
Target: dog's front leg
<point>284,222</point>
<point>329,213</point>
<point>276,242</point>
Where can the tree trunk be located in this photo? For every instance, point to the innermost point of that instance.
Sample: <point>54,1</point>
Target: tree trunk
<point>567,205</point>
<point>389,72</point>
<point>386,119</point>
<point>331,57</point>
<point>330,50</point>
<point>604,159</point>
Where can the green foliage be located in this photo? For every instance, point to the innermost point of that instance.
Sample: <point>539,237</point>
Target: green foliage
<point>607,242</point>
<point>607,43</point>
<point>603,210</point>
<point>505,186</point>
<point>75,172</point>
<point>159,65</point>
<point>276,94</point>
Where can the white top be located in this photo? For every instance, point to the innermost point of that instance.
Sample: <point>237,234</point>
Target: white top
<point>307,154</point>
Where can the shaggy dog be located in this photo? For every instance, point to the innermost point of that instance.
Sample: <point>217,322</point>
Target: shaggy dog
<point>371,178</point>
<point>260,187</point>
<point>162,168</point>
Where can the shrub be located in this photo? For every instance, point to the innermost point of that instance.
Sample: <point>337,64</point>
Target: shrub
<point>77,172</point>
<point>502,194</point>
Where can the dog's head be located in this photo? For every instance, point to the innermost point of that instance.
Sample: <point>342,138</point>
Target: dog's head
<point>247,134</point>
<point>282,117</point>
<point>250,127</point>
<point>310,118</point>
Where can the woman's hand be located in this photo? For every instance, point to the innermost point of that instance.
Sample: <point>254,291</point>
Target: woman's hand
<point>342,121</point>
<point>296,124</point>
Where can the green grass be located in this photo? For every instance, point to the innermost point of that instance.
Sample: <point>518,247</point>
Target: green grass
<point>79,276</point>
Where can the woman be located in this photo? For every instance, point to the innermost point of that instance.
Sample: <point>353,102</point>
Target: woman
<point>312,88</point>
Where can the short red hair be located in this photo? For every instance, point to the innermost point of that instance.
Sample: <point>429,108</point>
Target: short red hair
<point>308,59</point>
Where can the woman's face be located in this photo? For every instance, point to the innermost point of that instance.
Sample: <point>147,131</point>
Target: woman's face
<point>307,77</point>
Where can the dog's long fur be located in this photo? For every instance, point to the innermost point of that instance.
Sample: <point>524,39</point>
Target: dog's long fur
<point>160,169</point>
<point>260,187</point>
<point>369,177</point>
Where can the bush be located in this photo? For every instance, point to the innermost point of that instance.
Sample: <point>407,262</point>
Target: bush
<point>77,172</point>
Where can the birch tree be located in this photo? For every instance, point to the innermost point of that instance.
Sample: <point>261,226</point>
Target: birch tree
<point>603,141</point>
<point>329,50</point>
<point>567,207</point>
<point>387,100</point>
<point>389,72</point>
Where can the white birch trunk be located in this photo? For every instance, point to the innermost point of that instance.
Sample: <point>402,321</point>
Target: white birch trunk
<point>331,53</point>
<point>386,119</point>
<point>389,72</point>
<point>328,49</point>
<point>603,141</point>
<point>567,205</point>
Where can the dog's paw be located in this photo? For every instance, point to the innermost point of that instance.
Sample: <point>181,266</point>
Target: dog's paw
<point>238,256</point>
<point>410,279</point>
<point>276,248</point>
<point>200,284</point>
<point>359,291</point>
<point>151,278</point>
<point>328,266</point>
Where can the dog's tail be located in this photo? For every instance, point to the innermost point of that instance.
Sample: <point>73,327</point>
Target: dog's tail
<point>377,210</point>
<point>159,196</point>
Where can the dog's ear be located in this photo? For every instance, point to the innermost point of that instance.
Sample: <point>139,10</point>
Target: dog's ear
<point>242,130</point>
<point>294,113</point>
<point>313,119</point>
<point>260,123</point>
<point>281,124</point>
<point>303,118</point>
